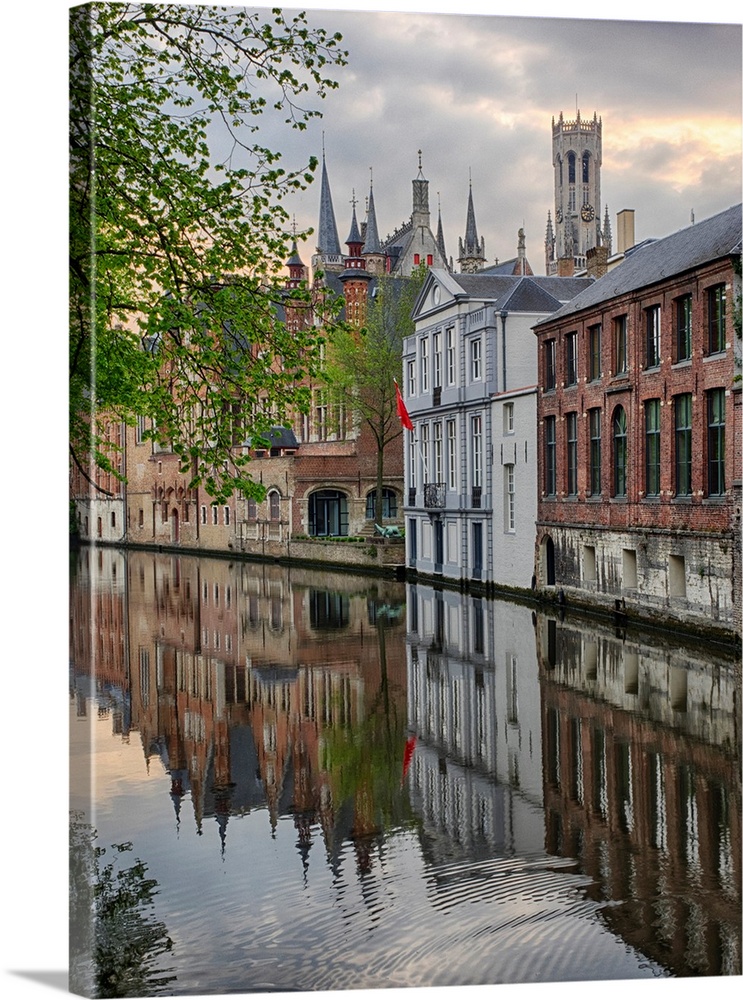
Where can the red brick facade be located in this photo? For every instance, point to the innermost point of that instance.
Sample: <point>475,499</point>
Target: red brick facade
<point>639,424</point>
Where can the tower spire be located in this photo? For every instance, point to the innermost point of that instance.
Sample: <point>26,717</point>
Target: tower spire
<point>472,249</point>
<point>328,245</point>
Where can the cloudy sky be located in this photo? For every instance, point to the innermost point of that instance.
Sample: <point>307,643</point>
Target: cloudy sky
<point>477,94</point>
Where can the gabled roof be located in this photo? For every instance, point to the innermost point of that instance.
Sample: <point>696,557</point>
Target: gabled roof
<point>513,292</point>
<point>707,241</point>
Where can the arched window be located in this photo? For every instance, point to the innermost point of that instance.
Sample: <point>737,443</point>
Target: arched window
<point>586,163</point>
<point>274,506</point>
<point>619,433</point>
<point>328,513</point>
<point>571,167</point>
<point>389,503</point>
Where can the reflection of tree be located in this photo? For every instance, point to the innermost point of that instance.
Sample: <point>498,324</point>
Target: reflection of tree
<point>115,940</point>
<point>365,762</point>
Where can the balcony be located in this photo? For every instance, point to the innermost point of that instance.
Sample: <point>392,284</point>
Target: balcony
<point>434,495</point>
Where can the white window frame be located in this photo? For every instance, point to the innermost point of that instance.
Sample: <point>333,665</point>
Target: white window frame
<point>438,453</point>
<point>437,361</point>
<point>476,438</point>
<point>451,356</point>
<point>476,360</point>
<point>451,453</point>
<point>411,378</point>
<point>509,488</point>
<point>424,364</point>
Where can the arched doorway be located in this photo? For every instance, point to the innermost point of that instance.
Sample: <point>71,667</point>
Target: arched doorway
<point>328,513</point>
<point>174,525</point>
<point>548,547</point>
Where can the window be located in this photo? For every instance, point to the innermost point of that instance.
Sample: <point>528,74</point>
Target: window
<point>652,337</point>
<point>589,563</point>
<point>203,514</point>
<point>475,360</point>
<point>321,416</point>
<point>215,514</point>
<point>451,454</point>
<point>429,259</point>
<point>652,448</point>
<point>594,454</point>
<point>227,515</point>
<point>619,434</point>
<point>140,429</point>
<point>113,518</point>
<point>716,319</point>
<point>549,365</point>
<point>416,259</point>
<point>571,441</point>
<point>509,489</point>
<point>424,448</point>
<point>252,509</point>
<point>451,357</point>
<point>389,504</point>
<point>508,425</point>
<point>594,352</point>
<point>683,328</point>
<point>571,359</point>
<point>682,410</point>
<point>620,345</point>
<point>716,442</point>
<point>412,459</point>
<point>476,427</point>
<point>141,517</point>
<point>550,458</point>
<point>437,360</point>
<point>424,364</point>
<point>411,378</point>
<point>438,453</point>
<point>274,505</point>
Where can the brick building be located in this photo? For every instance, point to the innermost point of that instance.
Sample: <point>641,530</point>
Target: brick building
<point>639,429</point>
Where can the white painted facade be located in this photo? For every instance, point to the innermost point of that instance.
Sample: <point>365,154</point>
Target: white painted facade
<point>470,375</point>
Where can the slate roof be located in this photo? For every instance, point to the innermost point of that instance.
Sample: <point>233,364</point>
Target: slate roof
<point>534,293</point>
<point>714,238</point>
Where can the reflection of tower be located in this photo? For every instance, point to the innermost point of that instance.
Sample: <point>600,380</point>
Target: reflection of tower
<point>576,159</point>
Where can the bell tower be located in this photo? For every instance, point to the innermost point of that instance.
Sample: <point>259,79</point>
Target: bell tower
<point>576,159</point>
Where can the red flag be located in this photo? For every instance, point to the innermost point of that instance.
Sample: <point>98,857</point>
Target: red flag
<point>402,410</point>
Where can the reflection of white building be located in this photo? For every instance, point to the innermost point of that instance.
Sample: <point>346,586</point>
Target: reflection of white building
<point>473,703</point>
<point>470,382</point>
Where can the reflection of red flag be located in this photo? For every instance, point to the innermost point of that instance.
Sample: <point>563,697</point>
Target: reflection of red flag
<point>408,755</point>
<point>402,410</point>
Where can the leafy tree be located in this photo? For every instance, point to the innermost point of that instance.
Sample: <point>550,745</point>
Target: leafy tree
<point>175,251</point>
<point>364,364</point>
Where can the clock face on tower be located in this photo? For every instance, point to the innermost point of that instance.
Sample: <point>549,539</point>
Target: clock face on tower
<point>586,213</point>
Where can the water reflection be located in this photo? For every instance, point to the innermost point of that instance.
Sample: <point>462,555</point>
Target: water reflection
<point>465,769</point>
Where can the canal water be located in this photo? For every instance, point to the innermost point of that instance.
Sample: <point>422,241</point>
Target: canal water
<point>293,779</point>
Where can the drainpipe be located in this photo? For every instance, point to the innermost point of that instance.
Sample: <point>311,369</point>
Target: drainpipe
<point>503,315</point>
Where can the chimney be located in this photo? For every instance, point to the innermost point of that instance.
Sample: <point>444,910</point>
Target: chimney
<point>596,261</point>
<point>565,267</point>
<point>625,229</point>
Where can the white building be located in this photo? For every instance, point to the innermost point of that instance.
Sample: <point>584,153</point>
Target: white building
<point>470,374</point>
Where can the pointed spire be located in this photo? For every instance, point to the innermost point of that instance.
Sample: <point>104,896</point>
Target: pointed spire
<point>470,234</point>
<point>354,237</point>
<point>606,235</point>
<point>471,249</point>
<point>440,232</point>
<point>371,234</point>
<point>327,231</point>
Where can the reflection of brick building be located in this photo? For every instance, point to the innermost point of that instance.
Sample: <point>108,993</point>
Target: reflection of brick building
<point>653,813</point>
